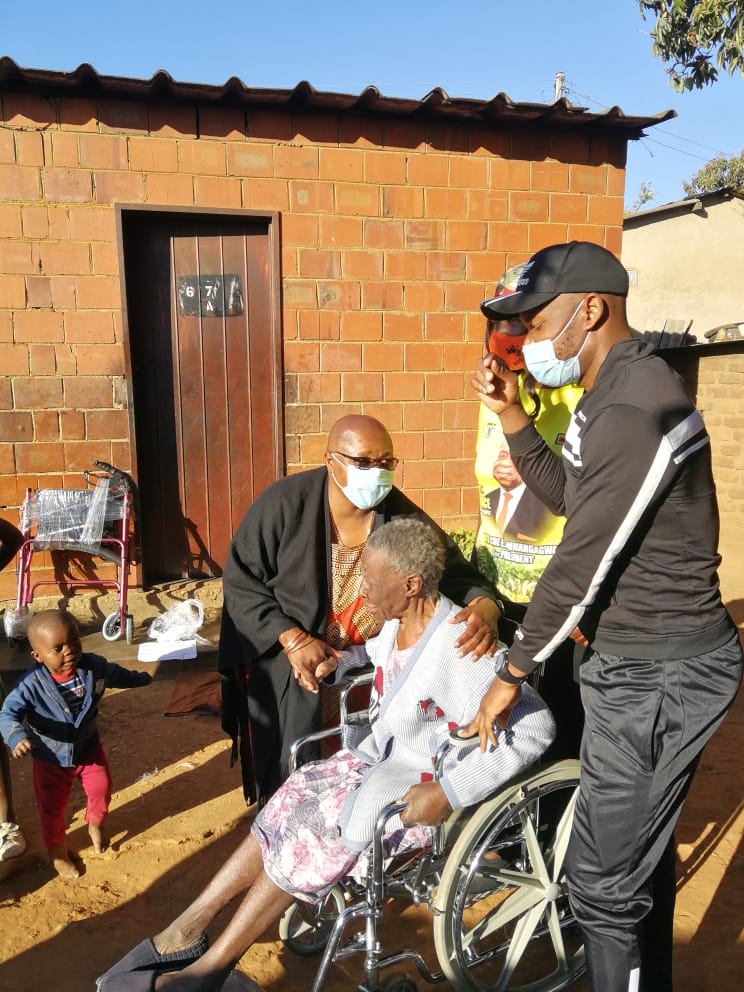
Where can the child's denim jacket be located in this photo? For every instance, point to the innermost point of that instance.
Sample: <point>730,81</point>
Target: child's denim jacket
<point>36,709</point>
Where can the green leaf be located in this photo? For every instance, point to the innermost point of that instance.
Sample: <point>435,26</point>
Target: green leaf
<point>696,38</point>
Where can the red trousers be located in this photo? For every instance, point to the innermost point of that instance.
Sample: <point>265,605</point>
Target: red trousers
<point>52,786</point>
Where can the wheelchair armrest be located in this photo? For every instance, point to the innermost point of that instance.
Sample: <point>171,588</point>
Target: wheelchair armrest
<point>349,682</point>
<point>347,720</point>
<point>297,746</point>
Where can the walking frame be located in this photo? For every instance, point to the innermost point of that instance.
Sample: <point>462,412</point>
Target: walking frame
<point>93,521</point>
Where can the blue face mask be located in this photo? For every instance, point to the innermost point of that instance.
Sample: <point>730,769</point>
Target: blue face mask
<point>366,487</point>
<point>547,368</point>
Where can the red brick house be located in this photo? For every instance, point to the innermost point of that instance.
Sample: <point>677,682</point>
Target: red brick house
<point>196,281</point>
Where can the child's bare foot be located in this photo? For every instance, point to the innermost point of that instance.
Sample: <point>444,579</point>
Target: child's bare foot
<point>97,838</point>
<point>60,861</point>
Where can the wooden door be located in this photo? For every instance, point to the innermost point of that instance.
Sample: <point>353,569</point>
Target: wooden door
<point>204,344</point>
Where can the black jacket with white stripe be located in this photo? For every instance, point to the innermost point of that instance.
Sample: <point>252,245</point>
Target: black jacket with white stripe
<point>637,567</point>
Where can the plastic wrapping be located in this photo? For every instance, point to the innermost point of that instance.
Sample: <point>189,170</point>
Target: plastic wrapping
<point>15,623</point>
<point>180,622</point>
<point>70,519</point>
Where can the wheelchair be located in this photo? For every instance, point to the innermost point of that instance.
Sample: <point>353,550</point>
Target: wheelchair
<point>492,880</point>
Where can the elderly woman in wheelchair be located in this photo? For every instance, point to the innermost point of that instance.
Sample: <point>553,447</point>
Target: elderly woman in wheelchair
<point>312,832</point>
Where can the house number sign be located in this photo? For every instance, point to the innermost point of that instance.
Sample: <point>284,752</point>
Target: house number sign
<point>210,295</point>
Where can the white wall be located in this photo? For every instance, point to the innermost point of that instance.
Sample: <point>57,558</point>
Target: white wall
<point>688,266</point>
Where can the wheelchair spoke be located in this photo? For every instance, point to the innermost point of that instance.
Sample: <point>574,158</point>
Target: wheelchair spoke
<point>562,835</point>
<point>537,860</point>
<point>556,936</point>
<point>518,946</point>
<point>303,927</point>
<point>519,902</point>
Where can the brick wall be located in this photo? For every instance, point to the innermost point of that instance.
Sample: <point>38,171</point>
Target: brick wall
<point>392,231</point>
<point>714,375</point>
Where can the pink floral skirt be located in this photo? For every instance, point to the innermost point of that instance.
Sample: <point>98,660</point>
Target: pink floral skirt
<point>298,828</point>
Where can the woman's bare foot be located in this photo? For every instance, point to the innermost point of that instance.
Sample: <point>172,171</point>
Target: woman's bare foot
<point>60,861</point>
<point>173,938</point>
<point>97,838</point>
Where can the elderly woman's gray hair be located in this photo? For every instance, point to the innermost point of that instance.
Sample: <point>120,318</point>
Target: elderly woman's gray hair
<point>413,548</point>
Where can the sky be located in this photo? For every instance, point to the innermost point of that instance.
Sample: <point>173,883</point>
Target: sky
<point>405,48</point>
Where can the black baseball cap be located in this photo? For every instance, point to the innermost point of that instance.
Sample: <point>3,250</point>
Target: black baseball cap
<point>575,267</point>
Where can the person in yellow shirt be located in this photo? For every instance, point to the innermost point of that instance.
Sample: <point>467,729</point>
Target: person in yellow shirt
<point>517,534</point>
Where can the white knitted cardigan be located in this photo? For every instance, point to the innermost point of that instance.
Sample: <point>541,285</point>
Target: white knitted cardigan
<point>411,715</point>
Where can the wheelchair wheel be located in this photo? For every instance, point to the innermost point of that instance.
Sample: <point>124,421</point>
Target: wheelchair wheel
<point>502,922</point>
<point>305,928</point>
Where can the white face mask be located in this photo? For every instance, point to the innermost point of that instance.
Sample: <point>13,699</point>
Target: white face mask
<point>365,487</point>
<point>547,368</point>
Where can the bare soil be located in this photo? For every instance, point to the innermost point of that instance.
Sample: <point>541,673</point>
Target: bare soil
<point>178,811</point>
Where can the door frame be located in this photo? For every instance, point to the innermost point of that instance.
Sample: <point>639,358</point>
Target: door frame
<point>272,219</point>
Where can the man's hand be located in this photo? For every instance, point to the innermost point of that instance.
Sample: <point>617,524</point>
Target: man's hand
<point>495,708</point>
<point>482,632</point>
<point>427,804</point>
<point>498,388</point>
<point>22,748</point>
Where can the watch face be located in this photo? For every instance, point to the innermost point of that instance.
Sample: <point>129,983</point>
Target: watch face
<point>499,660</point>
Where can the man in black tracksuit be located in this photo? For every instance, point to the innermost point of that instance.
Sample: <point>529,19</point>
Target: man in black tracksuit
<point>634,580</point>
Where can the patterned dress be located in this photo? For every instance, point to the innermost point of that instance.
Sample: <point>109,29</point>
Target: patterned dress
<point>298,827</point>
<point>321,820</point>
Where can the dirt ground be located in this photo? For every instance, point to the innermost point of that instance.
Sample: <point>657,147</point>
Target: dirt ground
<point>178,811</point>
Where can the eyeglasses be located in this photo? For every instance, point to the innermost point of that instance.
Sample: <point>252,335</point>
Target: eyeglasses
<point>364,463</point>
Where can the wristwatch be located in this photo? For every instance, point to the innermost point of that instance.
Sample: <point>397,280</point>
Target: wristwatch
<point>503,673</point>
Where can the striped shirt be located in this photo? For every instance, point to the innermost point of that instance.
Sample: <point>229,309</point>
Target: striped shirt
<point>72,689</point>
<point>637,566</point>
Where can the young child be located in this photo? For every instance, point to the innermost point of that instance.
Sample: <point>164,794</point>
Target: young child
<point>51,714</point>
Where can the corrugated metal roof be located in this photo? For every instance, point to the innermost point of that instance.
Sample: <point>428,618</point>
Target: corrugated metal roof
<point>689,204</point>
<point>436,105</point>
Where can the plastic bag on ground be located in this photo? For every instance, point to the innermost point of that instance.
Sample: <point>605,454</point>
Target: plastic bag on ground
<point>180,622</point>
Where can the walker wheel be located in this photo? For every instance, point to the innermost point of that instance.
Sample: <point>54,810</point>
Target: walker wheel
<point>111,629</point>
<point>129,628</point>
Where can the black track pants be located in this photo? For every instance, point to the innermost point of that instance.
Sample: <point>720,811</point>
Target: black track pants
<point>647,723</point>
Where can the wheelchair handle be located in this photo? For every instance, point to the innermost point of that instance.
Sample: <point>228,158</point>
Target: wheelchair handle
<point>391,810</point>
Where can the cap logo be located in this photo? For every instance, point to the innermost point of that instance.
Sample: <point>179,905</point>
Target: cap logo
<point>524,278</point>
